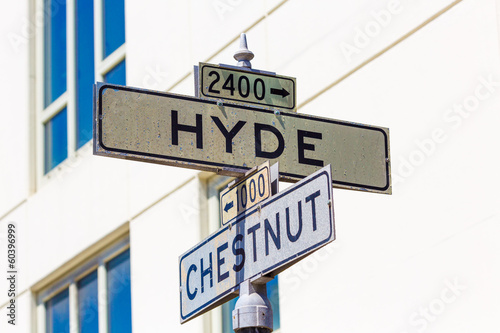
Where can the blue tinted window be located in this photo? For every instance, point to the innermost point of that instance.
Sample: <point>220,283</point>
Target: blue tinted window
<point>272,295</point>
<point>117,75</point>
<point>227,316</point>
<point>56,140</point>
<point>57,313</point>
<point>54,50</point>
<point>113,25</point>
<point>87,304</point>
<point>119,302</point>
<point>84,35</point>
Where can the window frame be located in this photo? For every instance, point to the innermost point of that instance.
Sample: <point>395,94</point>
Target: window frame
<point>68,99</point>
<point>97,262</point>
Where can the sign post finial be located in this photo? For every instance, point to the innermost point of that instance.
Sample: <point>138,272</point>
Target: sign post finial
<point>243,55</point>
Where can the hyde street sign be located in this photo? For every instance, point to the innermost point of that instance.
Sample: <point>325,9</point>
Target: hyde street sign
<point>229,139</point>
<point>263,241</point>
<point>241,85</point>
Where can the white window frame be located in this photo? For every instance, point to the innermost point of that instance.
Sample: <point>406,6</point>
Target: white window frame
<point>68,98</point>
<point>71,280</point>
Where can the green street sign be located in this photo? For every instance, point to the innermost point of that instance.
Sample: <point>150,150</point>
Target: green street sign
<point>246,86</point>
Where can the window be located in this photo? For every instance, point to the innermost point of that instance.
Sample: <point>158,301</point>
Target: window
<point>56,140</point>
<point>54,51</point>
<point>116,75</point>
<point>119,310</point>
<point>84,62</point>
<point>223,314</point>
<point>88,319</point>
<point>97,295</point>
<point>57,310</point>
<point>80,42</point>
<point>114,25</point>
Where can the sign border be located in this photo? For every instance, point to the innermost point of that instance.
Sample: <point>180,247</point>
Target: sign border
<point>221,168</point>
<point>277,267</point>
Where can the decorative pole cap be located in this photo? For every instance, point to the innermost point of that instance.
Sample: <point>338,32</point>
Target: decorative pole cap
<point>243,55</point>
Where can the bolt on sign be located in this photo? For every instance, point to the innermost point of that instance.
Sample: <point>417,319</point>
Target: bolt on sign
<point>246,86</point>
<point>263,240</point>
<point>230,139</point>
<point>246,193</point>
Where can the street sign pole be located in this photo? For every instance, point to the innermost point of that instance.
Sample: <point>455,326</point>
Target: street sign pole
<point>252,312</point>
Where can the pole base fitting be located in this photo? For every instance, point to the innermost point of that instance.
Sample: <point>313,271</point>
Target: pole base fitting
<point>252,316</point>
<point>253,312</point>
<point>254,330</point>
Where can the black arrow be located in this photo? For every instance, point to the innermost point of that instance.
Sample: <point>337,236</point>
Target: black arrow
<point>282,92</point>
<point>228,206</point>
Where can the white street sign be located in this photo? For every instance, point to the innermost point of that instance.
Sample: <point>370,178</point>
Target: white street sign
<point>262,241</point>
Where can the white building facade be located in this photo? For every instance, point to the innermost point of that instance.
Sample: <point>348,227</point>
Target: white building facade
<point>97,240</point>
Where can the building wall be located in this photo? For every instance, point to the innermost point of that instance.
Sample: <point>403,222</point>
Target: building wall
<point>15,87</point>
<point>422,259</point>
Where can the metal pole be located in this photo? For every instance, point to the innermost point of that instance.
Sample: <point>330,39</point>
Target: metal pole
<point>252,312</point>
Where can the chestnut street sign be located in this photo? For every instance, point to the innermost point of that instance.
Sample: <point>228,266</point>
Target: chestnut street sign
<point>230,139</point>
<point>263,240</point>
<point>243,86</point>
